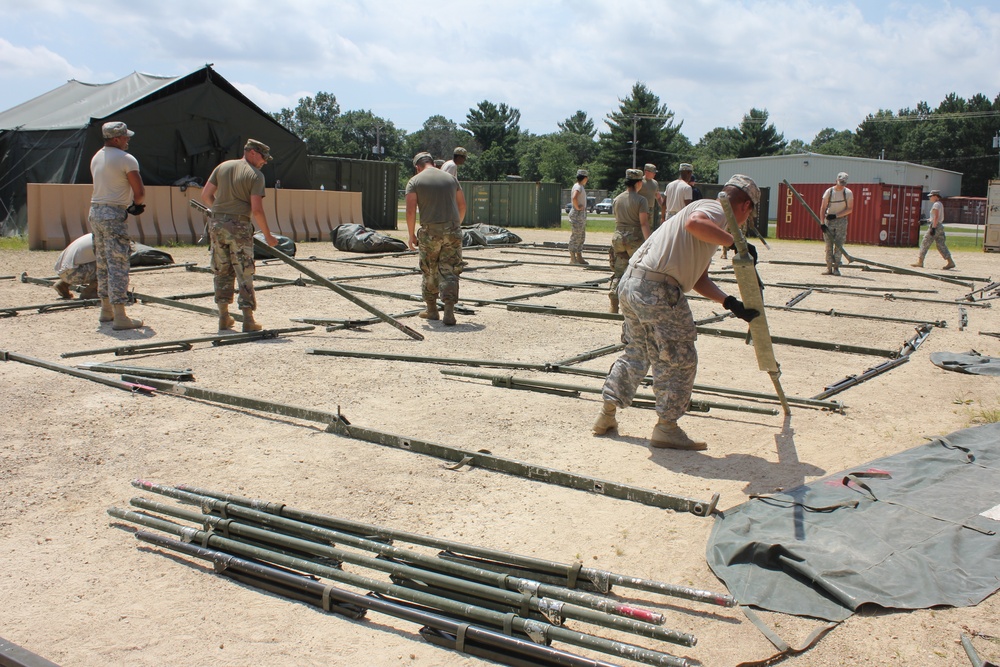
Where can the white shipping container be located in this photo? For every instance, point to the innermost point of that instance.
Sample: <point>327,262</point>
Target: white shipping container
<point>992,241</point>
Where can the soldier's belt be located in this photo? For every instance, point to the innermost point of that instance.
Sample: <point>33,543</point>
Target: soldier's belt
<point>651,276</point>
<point>226,217</point>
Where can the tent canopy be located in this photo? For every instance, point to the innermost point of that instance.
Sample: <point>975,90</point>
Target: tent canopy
<point>184,126</point>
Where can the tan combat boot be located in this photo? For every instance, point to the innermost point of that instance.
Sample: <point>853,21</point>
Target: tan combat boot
<point>668,435</point>
<point>580,260</point>
<point>63,289</point>
<point>121,320</point>
<point>226,320</point>
<point>107,312</point>
<point>449,315</point>
<point>950,264</point>
<point>249,323</point>
<point>90,291</point>
<point>613,308</point>
<point>572,257</point>
<point>431,312</point>
<point>919,263</point>
<point>606,420</point>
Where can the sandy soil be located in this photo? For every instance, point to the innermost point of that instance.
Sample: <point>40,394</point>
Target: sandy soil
<point>77,590</point>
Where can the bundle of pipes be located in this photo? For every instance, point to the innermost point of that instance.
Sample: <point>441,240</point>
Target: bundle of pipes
<point>522,597</point>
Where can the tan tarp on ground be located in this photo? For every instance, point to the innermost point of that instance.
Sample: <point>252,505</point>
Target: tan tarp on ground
<point>57,214</point>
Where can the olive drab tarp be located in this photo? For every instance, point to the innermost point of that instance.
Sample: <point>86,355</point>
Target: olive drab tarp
<point>285,245</point>
<point>970,362</point>
<point>144,255</point>
<point>358,238</point>
<point>909,531</point>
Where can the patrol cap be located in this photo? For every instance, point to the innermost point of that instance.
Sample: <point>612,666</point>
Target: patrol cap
<point>746,184</point>
<point>633,175</point>
<point>650,167</point>
<point>842,177</point>
<point>934,193</point>
<point>116,129</point>
<point>460,151</point>
<point>685,167</point>
<point>260,147</point>
<point>582,172</point>
<point>439,163</point>
<point>422,157</point>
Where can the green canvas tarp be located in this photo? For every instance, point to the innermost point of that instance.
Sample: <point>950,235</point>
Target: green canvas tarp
<point>909,531</point>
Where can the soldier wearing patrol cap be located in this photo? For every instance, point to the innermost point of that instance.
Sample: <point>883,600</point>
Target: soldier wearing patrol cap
<point>439,199</point>
<point>457,160</point>
<point>578,218</point>
<point>659,327</point>
<point>631,211</point>
<point>651,191</point>
<point>118,192</point>
<point>235,193</point>
<point>678,193</point>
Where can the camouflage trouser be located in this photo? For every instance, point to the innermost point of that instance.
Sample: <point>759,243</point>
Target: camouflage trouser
<point>835,239</point>
<point>659,330</point>
<point>939,240</point>
<point>232,260</point>
<point>112,248</point>
<point>440,261</point>
<point>624,243</point>
<point>578,229</point>
<point>80,275</point>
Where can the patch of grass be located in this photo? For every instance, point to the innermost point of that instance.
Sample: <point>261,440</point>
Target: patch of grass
<point>13,242</point>
<point>985,416</point>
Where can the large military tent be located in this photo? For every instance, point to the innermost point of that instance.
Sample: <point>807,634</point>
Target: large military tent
<point>184,127</point>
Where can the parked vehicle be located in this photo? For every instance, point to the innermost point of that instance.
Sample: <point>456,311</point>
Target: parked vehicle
<point>591,203</point>
<point>604,206</point>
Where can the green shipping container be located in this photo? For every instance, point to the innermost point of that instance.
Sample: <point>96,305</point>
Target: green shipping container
<point>512,204</point>
<point>375,180</point>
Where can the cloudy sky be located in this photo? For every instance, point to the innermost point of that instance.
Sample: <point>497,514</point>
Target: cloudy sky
<point>812,65</point>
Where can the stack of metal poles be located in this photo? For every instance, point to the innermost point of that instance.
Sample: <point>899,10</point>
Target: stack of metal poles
<point>519,604</point>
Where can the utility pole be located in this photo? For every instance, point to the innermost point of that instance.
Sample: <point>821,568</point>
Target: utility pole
<point>378,150</point>
<point>635,119</point>
<point>996,144</point>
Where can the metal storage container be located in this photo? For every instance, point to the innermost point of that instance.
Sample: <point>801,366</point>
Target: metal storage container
<point>883,214</point>
<point>991,242</point>
<point>965,210</point>
<point>377,181</point>
<point>512,203</point>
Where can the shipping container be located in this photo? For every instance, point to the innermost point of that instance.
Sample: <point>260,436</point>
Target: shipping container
<point>887,215</point>
<point>964,210</point>
<point>991,243</point>
<point>512,203</point>
<point>377,181</point>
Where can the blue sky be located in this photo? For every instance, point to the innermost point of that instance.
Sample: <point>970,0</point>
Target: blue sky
<point>812,65</point>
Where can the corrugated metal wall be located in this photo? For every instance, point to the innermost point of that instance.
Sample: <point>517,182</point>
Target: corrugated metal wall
<point>964,210</point>
<point>377,182</point>
<point>823,169</point>
<point>883,214</point>
<point>512,204</point>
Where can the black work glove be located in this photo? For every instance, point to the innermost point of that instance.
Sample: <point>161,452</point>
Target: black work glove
<point>136,209</point>
<point>932,231</point>
<point>736,307</point>
<point>750,249</point>
<point>824,228</point>
<point>831,216</point>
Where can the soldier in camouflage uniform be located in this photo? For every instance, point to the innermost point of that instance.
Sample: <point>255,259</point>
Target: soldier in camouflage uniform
<point>578,218</point>
<point>118,192</point>
<point>235,193</point>
<point>659,329</point>
<point>935,233</point>
<point>77,265</point>
<point>651,191</point>
<point>439,199</point>
<point>631,211</point>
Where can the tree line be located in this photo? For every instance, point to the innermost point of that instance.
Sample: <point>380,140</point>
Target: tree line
<point>957,135</point>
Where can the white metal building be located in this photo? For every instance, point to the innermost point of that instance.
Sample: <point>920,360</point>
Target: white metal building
<point>768,172</point>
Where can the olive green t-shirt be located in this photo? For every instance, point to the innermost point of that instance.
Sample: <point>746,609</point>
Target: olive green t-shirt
<point>235,180</point>
<point>627,207</point>
<point>435,196</point>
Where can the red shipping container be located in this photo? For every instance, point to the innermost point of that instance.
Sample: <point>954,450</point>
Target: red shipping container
<point>883,214</point>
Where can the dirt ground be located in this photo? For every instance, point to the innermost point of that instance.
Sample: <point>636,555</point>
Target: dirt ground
<point>78,589</point>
